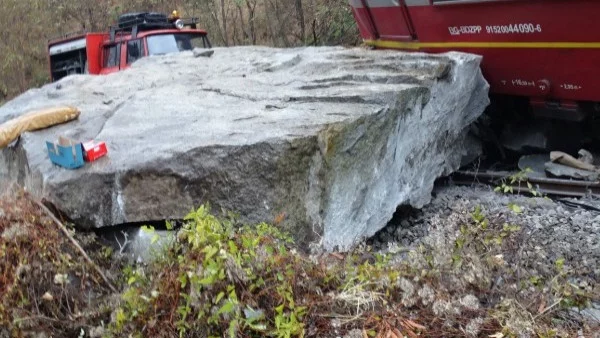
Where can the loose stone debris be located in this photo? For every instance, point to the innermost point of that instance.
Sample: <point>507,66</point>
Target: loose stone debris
<point>555,230</point>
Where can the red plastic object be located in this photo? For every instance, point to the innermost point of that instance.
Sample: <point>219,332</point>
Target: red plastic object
<point>93,150</point>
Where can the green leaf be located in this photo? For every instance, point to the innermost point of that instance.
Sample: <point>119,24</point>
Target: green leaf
<point>208,280</point>
<point>269,249</point>
<point>148,229</point>
<point>460,242</point>
<point>226,308</point>
<point>219,297</point>
<point>484,224</point>
<point>183,280</point>
<point>560,264</point>
<point>233,247</point>
<point>301,311</point>
<point>155,239</point>
<point>456,259</point>
<point>515,208</point>
<point>121,317</point>
<point>131,280</point>
<point>233,328</point>
<point>510,228</point>
<point>210,251</point>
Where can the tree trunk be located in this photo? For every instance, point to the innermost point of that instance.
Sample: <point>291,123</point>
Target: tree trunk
<point>280,26</point>
<point>251,11</point>
<point>234,33</point>
<point>224,22</point>
<point>315,34</point>
<point>241,20</point>
<point>214,15</point>
<point>300,15</point>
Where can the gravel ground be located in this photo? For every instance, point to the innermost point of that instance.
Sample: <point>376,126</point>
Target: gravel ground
<point>554,229</point>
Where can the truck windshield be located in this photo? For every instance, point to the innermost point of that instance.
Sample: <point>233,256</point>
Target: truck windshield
<point>173,43</point>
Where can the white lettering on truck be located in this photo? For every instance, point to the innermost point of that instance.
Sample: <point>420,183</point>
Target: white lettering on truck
<point>521,28</point>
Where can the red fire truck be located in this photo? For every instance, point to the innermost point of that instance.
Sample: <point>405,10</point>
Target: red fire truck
<point>136,35</point>
<point>544,51</point>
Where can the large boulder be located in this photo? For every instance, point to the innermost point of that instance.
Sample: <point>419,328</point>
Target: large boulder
<point>335,138</point>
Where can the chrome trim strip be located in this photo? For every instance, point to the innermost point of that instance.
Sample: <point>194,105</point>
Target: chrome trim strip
<point>383,3</point>
<point>391,3</point>
<point>461,2</point>
<point>411,3</point>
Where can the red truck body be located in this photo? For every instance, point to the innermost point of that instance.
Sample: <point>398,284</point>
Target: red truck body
<point>109,52</point>
<point>546,50</point>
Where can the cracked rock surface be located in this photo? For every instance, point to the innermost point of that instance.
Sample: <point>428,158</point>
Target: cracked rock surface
<point>334,138</point>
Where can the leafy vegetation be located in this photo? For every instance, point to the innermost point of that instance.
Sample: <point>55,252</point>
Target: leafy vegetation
<point>216,277</point>
<point>517,180</point>
<point>27,25</point>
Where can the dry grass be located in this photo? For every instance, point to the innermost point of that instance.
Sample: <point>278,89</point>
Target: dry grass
<point>220,279</point>
<point>45,284</point>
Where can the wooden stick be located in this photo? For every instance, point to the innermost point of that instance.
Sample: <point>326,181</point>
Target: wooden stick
<point>568,160</point>
<point>73,241</point>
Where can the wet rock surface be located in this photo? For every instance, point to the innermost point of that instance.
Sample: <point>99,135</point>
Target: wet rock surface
<point>333,138</point>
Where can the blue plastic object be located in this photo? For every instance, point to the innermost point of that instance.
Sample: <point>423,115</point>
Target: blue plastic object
<point>66,153</point>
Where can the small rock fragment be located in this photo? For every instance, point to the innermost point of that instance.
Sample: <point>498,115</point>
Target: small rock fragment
<point>470,302</point>
<point>48,297</point>
<point>97,332</point>
<point>61,279</point>
<point>585,156</point>
<point>205,53</point>
<point>560,170</point>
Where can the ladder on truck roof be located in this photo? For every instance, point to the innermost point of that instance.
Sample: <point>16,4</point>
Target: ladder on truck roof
<point>136,22</point>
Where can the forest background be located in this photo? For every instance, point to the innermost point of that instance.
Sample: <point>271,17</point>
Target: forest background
<point>27,25</point>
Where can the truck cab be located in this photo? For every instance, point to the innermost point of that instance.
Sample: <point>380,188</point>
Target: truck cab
<point>121,53</point>
<point>137,35</point>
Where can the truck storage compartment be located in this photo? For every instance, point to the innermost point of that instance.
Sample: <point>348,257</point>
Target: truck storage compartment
<point>68,58</point>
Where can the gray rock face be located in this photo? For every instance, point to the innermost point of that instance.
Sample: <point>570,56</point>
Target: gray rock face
<point>334,138</point>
